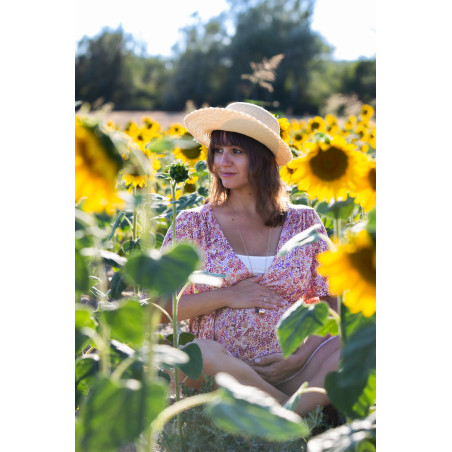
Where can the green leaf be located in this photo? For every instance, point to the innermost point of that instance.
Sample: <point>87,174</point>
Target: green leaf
<point>163,274</point>
<point>336,209</point>
<point>117,285</point>
<point>83,319</point>
<point>112,259</point>
<point>372,225</point>
<point>246,410</point>
<point>115,225</point>
<point>117,412</point>
<point>184,338</point>
<point>309,235</point>
<point>194,366</point>
<point>351,323</point>
<point>352,388</point>
<point>81,273</point>
<point>132,246</point>
<point>86,369</point>
<point>125,320</point>
<point>357,436</point>
<point>299,322</point>
<point>167,356</point>
<point>206,278</point>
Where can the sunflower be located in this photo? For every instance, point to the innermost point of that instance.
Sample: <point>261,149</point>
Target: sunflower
<point>288,173</point>
<point>150,124</point>
<point>97,163</point>
<point>140,180</point>
<point>364,189</point>
<point>352,269</point>
<point>284,126</point>
<point>350,123</point>
<point>316,124</point>
<point>367,111</point>
<point>191,155</point>
<point>298,138</point>
<point>176,129</point>
<point>327,168</point>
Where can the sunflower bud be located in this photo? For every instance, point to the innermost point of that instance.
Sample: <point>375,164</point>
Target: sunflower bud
<point>178,172</point>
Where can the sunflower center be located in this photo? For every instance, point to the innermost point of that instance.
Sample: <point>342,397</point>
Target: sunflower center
<point>192,153</point>
<point>290,170</point>
<point>363,261</point>
<point>373,178</point>
<point>330,164</point>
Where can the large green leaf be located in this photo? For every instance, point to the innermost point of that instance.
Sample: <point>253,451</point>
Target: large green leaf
<point>358,436</point>
<point>337,209</point>
<point>246,410</point>
<point>86,368</point>
<point>352,389</point>
<point>309,235</point>
<point>116,412</point>
<point>117,285</point>
<point>351,323</point>
<point>83,318</point>
<point>125,320</point>
<point>167,356</point>
<point>299,322</point>
<point>163,273</point>
<point>194,366</point>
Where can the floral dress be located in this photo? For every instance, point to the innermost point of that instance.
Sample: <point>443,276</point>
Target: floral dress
<point>244,333</point>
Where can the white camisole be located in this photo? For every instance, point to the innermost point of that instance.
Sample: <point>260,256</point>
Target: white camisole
<point>259,264</point>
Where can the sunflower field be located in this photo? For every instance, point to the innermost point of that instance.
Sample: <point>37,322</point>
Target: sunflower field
<point>130,184</point>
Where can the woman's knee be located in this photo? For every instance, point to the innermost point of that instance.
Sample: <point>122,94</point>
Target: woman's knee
<point>211,353</point>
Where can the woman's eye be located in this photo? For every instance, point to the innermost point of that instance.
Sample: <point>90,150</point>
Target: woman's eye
<point>237,151</point>
<point>218,150</point>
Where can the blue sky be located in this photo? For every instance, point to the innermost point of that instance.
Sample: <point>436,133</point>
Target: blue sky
<point>348,25</point>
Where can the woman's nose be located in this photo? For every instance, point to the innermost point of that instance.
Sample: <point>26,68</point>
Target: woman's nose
<point>225,158</point>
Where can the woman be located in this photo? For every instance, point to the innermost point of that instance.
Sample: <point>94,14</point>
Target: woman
<point>239,231</point>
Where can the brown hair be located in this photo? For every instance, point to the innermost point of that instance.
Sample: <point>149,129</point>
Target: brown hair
<point>263,172</point>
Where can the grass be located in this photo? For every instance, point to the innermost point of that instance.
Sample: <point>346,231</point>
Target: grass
<point>201,434</point>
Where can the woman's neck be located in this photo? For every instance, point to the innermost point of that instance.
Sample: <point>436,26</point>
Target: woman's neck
<point>243,202</point>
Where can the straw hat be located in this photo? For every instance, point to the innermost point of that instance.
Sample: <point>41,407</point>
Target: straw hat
<point>247,119</point>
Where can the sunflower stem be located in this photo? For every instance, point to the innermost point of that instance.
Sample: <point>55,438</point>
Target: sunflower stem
<point>175,336</point>
<point>134,229</point>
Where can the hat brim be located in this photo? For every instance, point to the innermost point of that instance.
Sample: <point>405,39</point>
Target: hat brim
<point>201,123</point>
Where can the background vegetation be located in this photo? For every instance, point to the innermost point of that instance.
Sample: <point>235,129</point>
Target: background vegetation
<point>210,60</point>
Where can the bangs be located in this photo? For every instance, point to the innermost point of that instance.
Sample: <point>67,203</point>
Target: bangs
<point>225,138</point>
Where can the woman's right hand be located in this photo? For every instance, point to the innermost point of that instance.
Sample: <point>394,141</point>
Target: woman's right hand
<point>248,293</point>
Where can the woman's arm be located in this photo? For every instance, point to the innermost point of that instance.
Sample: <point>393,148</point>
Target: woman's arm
<point>247,293</point>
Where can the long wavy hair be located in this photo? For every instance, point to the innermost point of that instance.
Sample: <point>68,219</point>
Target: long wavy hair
<point>272,197</point>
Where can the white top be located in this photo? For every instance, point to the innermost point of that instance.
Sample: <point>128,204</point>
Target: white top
<point>259,264</point>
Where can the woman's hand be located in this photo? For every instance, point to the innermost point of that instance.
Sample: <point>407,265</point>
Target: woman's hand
<point>248,293</point>
<point>274,368</point>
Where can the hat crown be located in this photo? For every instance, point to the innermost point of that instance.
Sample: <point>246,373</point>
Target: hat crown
<point>258,113</point>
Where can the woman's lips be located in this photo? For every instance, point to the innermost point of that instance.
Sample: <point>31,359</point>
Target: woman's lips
<point>227,174</point>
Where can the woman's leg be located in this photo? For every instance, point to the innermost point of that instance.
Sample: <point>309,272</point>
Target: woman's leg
<point>324,360</point>
<point>216,359</point>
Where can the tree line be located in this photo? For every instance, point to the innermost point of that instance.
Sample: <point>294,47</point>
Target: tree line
<point>272,56</point>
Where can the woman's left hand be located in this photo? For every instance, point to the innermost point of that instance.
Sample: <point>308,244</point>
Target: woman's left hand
<point>274,368</point>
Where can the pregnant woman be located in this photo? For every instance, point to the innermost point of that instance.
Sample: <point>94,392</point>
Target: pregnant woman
<point>239,230</point>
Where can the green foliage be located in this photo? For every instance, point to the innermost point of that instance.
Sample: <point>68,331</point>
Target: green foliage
<point>247,410</point>
<point>301,321</point>
<point>352,388</point>
<point>117,411</point>
<point>163,273</point>
<point>125,321</point>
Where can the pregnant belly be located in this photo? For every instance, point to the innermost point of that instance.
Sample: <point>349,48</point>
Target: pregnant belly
<point>246,334</point>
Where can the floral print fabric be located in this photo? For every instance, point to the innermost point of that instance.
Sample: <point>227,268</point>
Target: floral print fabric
<point>244,333</point>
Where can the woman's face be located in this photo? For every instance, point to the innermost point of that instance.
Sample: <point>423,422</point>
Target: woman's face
<point>231,165</point>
